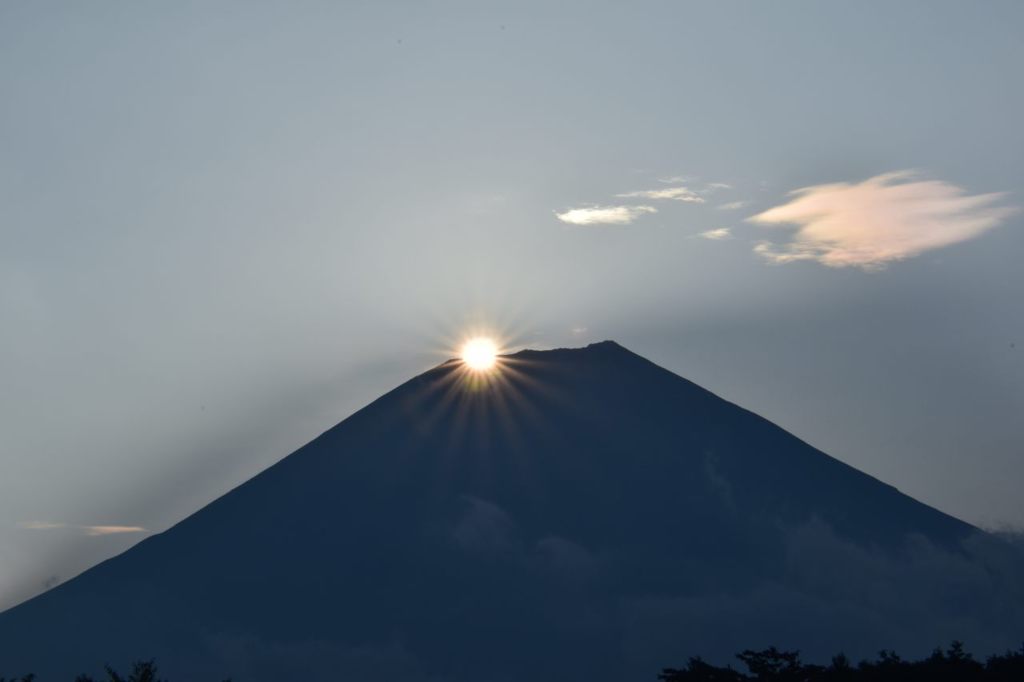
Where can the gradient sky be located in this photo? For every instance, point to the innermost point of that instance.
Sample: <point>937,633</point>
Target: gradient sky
<point>224,227</point>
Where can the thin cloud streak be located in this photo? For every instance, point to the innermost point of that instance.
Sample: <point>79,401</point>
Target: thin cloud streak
<point>672,193</point>
<point>732,205</point>
<point>41,525</point>
<point>604,215</point>
<point>111,530</point>
<point>887,218</point>
<point>92,531</point>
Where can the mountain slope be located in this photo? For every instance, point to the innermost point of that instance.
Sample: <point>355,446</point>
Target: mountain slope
<point>581,514</point>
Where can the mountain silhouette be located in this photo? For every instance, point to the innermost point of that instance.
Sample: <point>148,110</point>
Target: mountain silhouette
<point>575,514</point>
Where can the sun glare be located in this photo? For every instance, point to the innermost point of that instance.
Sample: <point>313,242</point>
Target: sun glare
<point>480,353</point>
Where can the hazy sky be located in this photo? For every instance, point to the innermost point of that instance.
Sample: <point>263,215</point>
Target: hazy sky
<point>224,227</point>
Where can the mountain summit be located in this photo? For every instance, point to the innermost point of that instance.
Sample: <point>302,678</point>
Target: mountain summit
<point>574,514</point>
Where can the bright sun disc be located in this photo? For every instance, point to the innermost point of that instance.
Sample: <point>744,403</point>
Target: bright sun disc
<point>480,353</point>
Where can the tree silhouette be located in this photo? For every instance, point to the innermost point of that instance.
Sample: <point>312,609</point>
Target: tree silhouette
<point>954,664</point>
<point>772,664</point>
<point>142,671</point>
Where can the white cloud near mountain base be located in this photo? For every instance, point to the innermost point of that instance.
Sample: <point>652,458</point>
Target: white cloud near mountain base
<point>111,530</point>
<point>92,531</point>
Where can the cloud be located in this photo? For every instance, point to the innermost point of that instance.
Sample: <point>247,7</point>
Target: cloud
<point>566,559</point>
<point>626,214</point>
<point>485,527</point>
<point>111,530</point>
<point>92,531</point>
<point>827,593</point>
<point>40,525</point>
<point>674,193</point>
<point>604,215</point>
<point>717,233</point>
<point>732,205</point>
<point>884,219</point>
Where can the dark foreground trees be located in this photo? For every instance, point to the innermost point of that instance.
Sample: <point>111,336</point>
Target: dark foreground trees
<point>772,665</point>
<point>142,671</point>
<point>769,665</point>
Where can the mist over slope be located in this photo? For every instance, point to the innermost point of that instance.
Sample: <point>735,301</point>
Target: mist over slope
<point>578,514</point>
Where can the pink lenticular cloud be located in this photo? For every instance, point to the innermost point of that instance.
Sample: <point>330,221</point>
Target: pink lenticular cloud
<point>884,219</point>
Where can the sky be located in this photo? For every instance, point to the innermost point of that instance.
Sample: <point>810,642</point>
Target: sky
<point>224,228</point>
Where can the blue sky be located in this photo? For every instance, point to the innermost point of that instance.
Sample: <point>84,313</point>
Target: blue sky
<point>224,228</point>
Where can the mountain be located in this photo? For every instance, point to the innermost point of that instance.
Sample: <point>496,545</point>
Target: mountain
<point>575,514</point>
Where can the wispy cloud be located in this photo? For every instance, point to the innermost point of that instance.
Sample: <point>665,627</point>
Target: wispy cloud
<point>732,205</point>
<point>717,234</point>
<point>681,192</point>
<point>88,530</point>
<point>604,215</point>
<point>624,214</point>
<point>886,218</point>
<point>41,525</point>
<point>674,193</point>
<point>112,530</point>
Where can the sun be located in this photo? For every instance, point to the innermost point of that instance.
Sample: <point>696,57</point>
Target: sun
<point>480,353</point>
